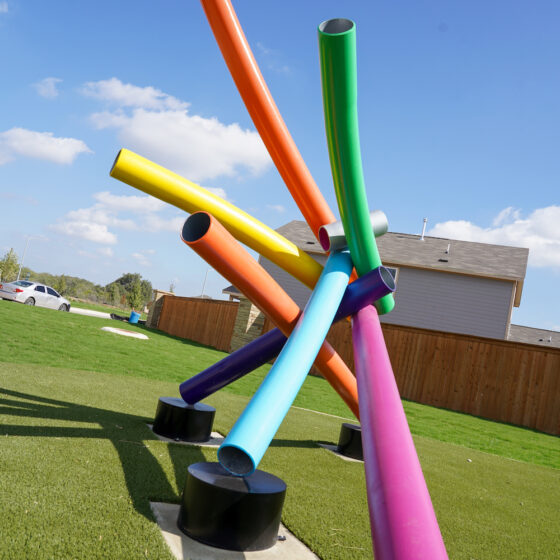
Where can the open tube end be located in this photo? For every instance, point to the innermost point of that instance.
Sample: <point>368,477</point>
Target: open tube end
<point>195,227</point>
<point>235,460</point>
<point>387,278</point>
<point>115,162</point>
<point>336,26</point>
<point>324,239</point>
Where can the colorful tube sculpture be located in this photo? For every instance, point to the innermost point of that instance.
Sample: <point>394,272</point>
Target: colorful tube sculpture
<point>337,47</point>
<point>403,522</point>
<point>203,233</point>
<point>362,292</point>
<point>157,181</point>
<point>248,440</point>
<point>266,117</point>
<point>333,238</point>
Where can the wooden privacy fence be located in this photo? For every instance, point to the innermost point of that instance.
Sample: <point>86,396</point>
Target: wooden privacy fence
<point>208,322</point>
<point>497,379</point>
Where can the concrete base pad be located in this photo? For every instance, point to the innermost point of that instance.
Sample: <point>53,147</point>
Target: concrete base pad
<point>183,547</point>
<point>215,440</point>
<point>334,449</point>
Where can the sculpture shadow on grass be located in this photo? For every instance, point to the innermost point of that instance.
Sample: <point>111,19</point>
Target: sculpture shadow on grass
<point>146,480</point>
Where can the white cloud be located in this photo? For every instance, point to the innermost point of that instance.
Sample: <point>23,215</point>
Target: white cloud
<point>105,251</point>
<point>142,259</point>
<point>217,191</point>
<point>128,95</point>
<point>130,213</point>
<point>539,232</point>
<point>39,145</point>
<point>3,7</point>
<point>47,87</point>
<point>98,233</point>
<point>160,127</point>
<point>272,59</point>
<point>276,207</point>
<point>507,214</point>
<point>137,204</point>
<point>155,223</point>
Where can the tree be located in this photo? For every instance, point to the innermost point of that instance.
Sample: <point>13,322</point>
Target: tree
<point>114,293</point>
<point>146,287</point>
<point>60,284</point>
<point>135,297</point>
<point>129,283</point>
<point>9,266</point>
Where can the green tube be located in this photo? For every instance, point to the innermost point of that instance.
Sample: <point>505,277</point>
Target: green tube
<point>337,47</point>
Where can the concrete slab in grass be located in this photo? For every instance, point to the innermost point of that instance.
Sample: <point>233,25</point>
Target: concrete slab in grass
<point>215,440</point>
<point>184,547</point>
<point>90,312</point>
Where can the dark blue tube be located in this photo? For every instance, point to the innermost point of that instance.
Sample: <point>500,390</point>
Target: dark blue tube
<point>232,367</point>
<point>364,291</point>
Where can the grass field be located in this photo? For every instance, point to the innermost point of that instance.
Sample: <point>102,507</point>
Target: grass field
<point>105,308</point>
<point>78,466</point>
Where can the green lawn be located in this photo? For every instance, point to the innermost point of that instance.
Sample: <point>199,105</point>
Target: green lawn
<point>78,465</point>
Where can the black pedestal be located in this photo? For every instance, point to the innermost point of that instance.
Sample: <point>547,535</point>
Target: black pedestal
<point>178,420</point>
<point>350,441</point>
<point>231,512</point>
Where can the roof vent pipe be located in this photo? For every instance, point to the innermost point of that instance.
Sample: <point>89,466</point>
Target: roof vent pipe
<point>424,229</point>
<point>448,249</point>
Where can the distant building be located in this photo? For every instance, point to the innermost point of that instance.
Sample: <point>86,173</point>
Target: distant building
<point>530,335</point>
<point>233,293</point>
<point>442,284</point>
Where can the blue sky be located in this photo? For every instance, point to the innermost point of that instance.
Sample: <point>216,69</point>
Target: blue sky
<point>458,108</point>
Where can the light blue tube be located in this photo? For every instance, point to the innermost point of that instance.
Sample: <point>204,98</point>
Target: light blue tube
<point>248,440</point>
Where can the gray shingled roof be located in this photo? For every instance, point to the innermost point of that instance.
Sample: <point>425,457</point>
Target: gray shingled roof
<point>466,257</point>
<point>232,290</point>
<point>530,335</point>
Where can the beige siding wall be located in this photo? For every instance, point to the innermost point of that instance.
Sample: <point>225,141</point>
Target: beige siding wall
<point>451,302</point>
<point>432,300</point>
<point>294,288</point>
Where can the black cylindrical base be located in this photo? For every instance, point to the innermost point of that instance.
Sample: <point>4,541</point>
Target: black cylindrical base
<point>350,441</point>
<point>231,512</point>
<point>178,420</point>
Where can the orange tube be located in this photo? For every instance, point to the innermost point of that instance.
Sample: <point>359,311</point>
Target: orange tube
<point>203,233</point>
<point>266,117</point>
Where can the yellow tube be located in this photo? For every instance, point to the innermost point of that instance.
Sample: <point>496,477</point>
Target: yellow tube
<point>157,181</point>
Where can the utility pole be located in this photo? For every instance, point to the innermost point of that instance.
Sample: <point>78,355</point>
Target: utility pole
<point>204,283</point>
<point>23,258</point>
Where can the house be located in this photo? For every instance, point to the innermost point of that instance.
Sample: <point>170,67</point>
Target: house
<point>233,293</point>
<point>442,284</point>
<point>531,335</point>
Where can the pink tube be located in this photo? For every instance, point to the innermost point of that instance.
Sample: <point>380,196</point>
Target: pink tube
<point>403,521</point>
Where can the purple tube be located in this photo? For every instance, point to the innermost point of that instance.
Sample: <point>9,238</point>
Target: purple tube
<point>403,521</point>
<point>364,291</point>
<point>233,367</point>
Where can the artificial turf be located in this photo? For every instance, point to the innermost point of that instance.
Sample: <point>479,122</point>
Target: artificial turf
<point>78,466</point>
<point>41,336</point>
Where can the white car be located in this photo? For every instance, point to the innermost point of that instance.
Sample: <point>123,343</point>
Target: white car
<point>32,293</point>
